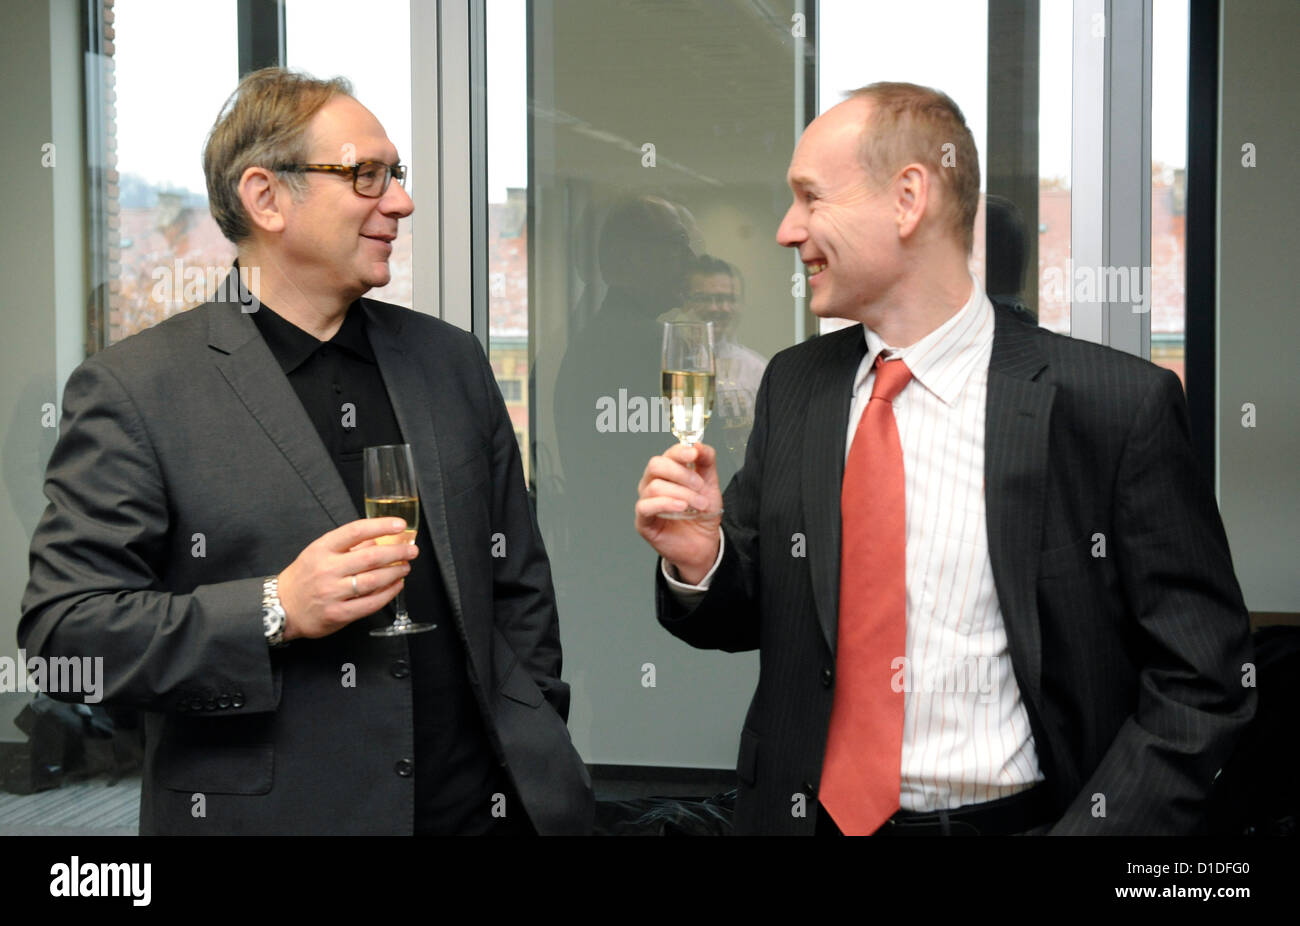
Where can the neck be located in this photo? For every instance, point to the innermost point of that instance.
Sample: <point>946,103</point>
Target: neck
<point>926,296</point>
<point>317,312</point>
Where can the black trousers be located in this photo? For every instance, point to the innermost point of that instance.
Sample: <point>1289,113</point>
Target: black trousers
<point>1024,814</point>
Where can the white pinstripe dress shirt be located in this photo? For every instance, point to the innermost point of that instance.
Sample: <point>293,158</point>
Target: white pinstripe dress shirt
<point>966,736</point>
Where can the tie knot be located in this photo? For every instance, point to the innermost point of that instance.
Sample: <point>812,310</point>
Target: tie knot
<point>891,377</point>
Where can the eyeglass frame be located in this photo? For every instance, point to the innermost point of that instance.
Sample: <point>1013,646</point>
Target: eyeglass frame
<point>394,172</point>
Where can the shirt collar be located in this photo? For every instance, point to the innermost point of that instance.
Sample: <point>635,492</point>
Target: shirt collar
<point>943,360</point>
<point>292,346</point>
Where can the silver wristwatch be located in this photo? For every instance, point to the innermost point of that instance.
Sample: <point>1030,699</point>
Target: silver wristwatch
<point>273,617</point>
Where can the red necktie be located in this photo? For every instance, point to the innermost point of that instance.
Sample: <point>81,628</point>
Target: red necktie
<point>864,750</point>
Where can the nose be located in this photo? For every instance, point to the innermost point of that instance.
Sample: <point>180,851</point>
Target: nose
<point>396,201</point>
<point>791,232</point>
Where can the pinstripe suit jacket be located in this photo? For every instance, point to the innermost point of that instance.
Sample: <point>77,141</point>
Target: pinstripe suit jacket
<point>1130,665</point>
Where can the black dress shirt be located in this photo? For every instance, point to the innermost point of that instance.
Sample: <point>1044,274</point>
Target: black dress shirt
<point>342,390</point>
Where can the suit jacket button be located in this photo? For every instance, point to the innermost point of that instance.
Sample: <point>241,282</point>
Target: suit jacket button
<point>404,767</point>
<point>400,669</point>
<point>808,789</point>
<point>827,677</point>
<point>210,704</point>
<point>237,699</point>
<point>182,705</point>
<point>223,702</point>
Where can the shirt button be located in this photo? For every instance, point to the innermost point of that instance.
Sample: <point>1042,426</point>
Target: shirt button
<point>400,669</point>
<point>404,767</point>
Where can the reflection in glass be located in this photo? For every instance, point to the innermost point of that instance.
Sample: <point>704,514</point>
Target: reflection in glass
<point>716,293</point>
<point>652,136</point>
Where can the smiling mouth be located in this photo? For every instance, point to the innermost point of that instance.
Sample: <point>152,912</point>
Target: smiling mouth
<point>814,267</point>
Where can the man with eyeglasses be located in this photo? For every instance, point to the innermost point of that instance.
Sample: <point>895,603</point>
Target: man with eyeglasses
<point>715,293</point>
<point>204,534</point>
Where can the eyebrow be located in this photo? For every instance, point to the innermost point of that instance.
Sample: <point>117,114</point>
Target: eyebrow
<point>802,180</point>
<point>380,158</point>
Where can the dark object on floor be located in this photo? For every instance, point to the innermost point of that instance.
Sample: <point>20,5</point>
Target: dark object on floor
<point>666,816</point>
<point>72,742</point>
<point>1258,791</point>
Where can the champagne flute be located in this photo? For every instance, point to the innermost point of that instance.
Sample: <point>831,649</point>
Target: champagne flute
<point>390,490</point>
<point>688,387</point>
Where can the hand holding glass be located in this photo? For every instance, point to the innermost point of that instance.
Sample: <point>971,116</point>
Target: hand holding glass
<point>390,490</point>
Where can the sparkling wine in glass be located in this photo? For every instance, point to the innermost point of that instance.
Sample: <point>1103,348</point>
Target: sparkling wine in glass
<point>688,387</point>
<point>389,486</point>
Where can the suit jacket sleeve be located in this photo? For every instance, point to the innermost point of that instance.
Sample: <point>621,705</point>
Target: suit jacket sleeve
<point>97,585</point>
<point>728,616</point>
<point>1176,573</point>
<point>523,594</point>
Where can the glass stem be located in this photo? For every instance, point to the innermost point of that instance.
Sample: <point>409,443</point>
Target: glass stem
<point>399,605</point>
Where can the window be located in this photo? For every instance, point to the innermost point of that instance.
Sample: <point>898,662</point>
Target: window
<point>157,249</point>
<point>653,137</point>
<point>1169,22</point>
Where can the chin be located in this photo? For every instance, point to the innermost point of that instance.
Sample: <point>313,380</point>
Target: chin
<point>377,278</point>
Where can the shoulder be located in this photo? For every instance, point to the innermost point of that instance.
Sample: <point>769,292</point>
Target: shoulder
<point>422,326</point>
<point>802,359</point>
<point>1098,390</point>
<point>1092,369</point>
<point>442,349</point>
<point>172,347</point>
<point>189,326</point>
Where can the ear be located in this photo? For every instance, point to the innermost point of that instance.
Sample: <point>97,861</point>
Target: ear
<point>912,198</point>
<point>264,198</point>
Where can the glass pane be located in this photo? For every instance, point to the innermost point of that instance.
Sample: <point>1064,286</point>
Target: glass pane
<point>321,39</point>
<point>1056,52</point>
<point>1168,182</point>
<point>642,180</point>
<point>165,252</point>
<point>507,76</point>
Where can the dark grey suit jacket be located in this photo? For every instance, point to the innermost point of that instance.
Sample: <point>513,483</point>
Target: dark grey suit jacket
<point>192,428</point>
<point>1130,665</point>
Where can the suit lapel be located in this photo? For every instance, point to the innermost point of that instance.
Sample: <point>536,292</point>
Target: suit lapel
<point>829,399</point>
<point>1015,474</point>
<point>409,391</point>
<point>252,372</point>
